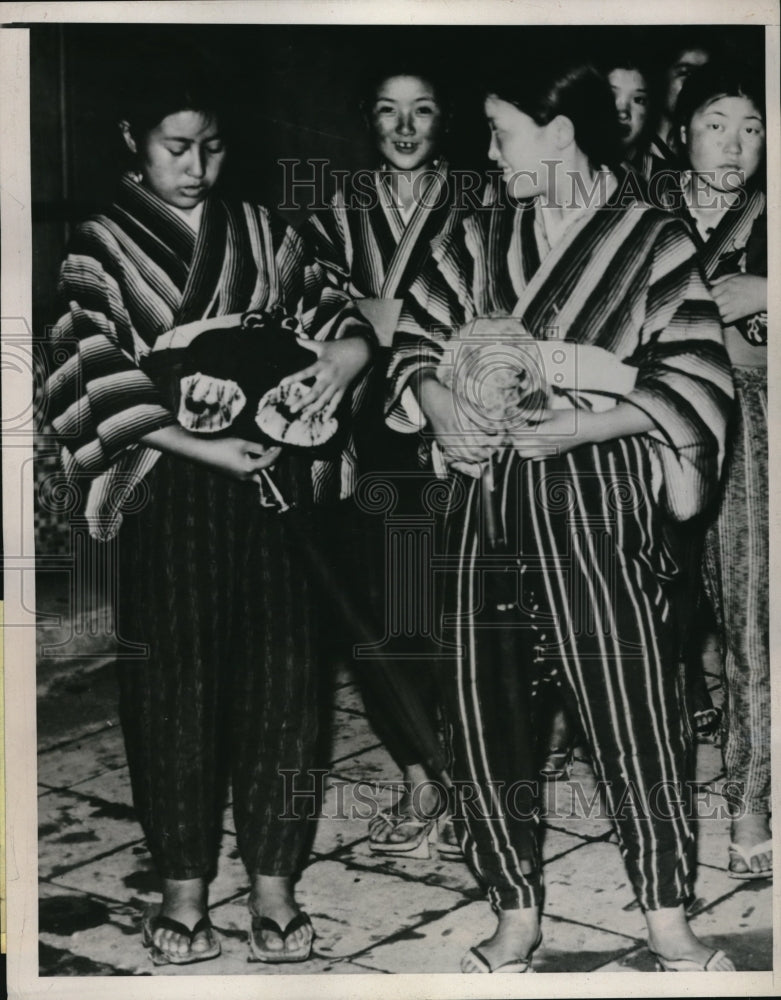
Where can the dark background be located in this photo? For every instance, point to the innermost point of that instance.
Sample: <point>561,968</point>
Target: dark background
<point>295,93</point>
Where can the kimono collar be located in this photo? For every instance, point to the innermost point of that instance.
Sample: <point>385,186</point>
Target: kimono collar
<point>158,217</point>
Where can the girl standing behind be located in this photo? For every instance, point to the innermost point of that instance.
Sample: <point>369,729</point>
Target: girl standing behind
<point>373,242</point>
<point>721,124</point>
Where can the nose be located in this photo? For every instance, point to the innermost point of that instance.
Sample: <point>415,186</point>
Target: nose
<point>405,124</point>
<point>732,142</point>
<point>493,149</point>
<point>197,163</point>
<point>622,107</point>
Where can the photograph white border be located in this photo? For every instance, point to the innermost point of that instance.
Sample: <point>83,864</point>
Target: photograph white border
<point>17,397</point>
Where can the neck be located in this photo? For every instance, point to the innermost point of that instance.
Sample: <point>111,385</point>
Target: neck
<point>573,184</point>
<point>664,130</point>
<point>706,203</point>
<point>405,184</point>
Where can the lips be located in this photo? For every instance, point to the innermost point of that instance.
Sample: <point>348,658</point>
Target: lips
<point>405,147</point>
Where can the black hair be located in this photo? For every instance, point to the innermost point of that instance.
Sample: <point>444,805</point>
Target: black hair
<point>713,81</point>
<point>405,65</point>
<point>545,88</point>
<point>163,79</point>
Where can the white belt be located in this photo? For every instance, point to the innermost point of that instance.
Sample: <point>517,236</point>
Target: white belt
<point>183,336</point>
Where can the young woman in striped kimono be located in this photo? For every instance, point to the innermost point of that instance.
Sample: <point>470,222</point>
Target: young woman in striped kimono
<point>216,587</point>
<point>373,242</point>
<point>722,133</point>
<point>578,589</point>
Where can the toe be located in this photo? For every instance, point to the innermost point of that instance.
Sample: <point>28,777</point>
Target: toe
<point>203,941</point>
<point>272,942</point>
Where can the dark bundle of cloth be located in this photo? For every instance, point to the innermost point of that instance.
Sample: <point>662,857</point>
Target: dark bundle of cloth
<point>231,382</point>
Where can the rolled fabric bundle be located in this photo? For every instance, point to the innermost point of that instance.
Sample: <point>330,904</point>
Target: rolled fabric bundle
<point>230,379</point>
<point>503,379</point>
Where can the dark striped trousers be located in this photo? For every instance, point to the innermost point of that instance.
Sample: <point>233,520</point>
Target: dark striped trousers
<point>577,593</point>
<point>220,591</point>
<point>736,574</point>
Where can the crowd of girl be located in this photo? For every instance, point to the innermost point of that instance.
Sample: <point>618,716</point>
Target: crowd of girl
<point>558,526</point>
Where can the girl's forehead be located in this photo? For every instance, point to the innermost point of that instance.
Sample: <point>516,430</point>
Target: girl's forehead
<point>402,85</point>
<point>734,104</point>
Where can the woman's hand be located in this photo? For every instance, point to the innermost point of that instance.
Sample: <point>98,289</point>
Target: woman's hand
<point>231,456</point>
<point>559,431</point>
<point>236,457</point>
<point>739,295</point>
<point>459,439</point>
<point>338,363</point>
<point>556,432</point>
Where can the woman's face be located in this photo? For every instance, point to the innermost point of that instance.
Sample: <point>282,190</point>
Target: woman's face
<point>678,73</point>
<point>180,158</point>
<point>520,147</point>
<point>407,122</point>
<point>725,141</point>
<point>631,96</point>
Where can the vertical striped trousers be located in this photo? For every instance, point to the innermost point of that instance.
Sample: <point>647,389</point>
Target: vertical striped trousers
<point>578,593</point>
<point>219,590</point>
<point>736,576</point>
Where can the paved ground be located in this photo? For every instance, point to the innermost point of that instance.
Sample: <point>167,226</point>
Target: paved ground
<point>371,915</point>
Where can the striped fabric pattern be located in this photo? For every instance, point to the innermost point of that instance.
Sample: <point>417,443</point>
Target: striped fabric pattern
<point>737,577</point>
<point>135,272</point>
<point>221,593</point>
<point>578,593</point>
<point>737,245</point>
<point>363,244</point>
<point>625,279</point>
<point>577,596</point>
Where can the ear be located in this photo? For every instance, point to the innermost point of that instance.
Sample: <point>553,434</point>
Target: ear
<point>563,131</point>
<point>684,139</point>
<point>127,135</point>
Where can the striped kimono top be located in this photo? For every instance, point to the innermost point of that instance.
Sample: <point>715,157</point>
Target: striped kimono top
<point>737,245</point>
<point>137,271</point>
<point>623,277</point>
<point>366,247</point>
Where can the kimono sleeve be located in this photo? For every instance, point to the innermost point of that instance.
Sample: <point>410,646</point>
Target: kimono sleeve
<point>99,401</point>
<point>684,380</point>
<point>325,310</point>
<point>438,302</point>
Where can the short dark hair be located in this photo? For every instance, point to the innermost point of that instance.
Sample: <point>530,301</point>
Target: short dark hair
<point>405,65</point>
<point>167,79</point>
<point>545,88</point>
<point>715,80</point>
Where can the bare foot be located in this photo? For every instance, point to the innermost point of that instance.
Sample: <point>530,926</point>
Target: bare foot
<point>184,900</point>
<point>748,832</point>
<point>272,896</point>
<point>419,804</point>
<point>517,935</point>
<point>671,937</point>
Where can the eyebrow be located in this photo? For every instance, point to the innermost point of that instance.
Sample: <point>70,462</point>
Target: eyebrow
<point>182,138</point>
<point>394,100</point>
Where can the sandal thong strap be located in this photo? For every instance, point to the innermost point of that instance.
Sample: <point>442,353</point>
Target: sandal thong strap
<point>154,921</point>
<point>169,924</point>
<point>515,965</point>
<point>267,924</point>
<point>689,964</point>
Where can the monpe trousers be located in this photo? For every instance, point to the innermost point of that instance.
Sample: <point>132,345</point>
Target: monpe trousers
<point>220,591</point>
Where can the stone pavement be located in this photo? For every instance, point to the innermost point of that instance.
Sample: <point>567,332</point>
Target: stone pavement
<point>371,915</point>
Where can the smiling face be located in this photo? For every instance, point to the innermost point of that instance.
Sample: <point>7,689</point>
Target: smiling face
<point>519,147</point>
<point>181,158</point>
<point>407,122</point>
<point>725,141</point>
<point>631,96</point>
